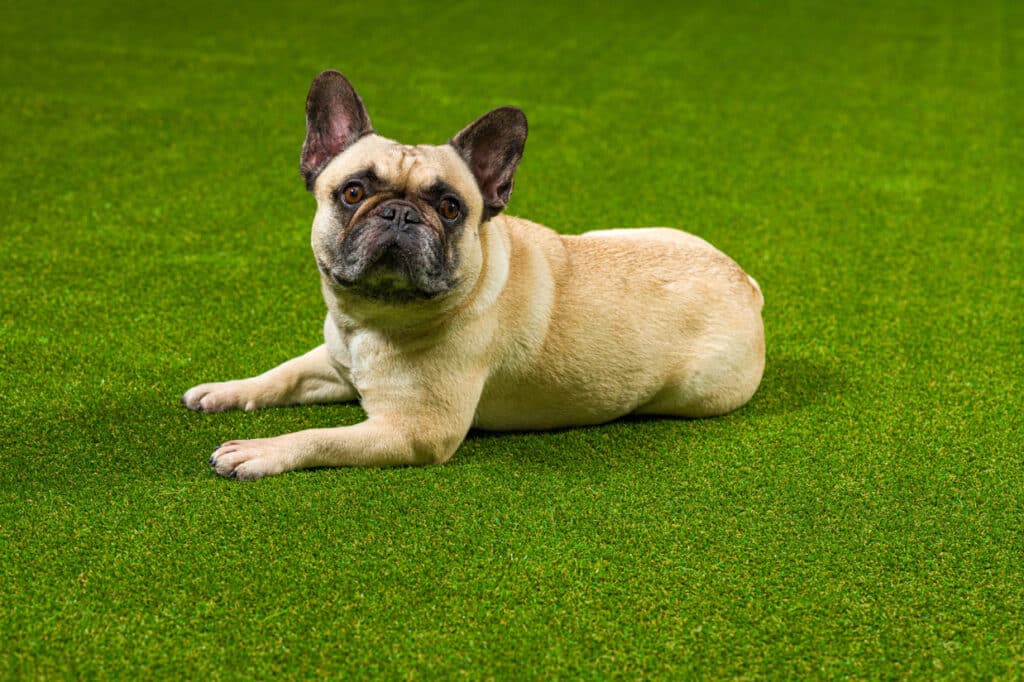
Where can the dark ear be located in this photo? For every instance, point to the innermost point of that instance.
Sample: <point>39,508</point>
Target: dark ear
<point>492,146</point>
<point>335,119</point>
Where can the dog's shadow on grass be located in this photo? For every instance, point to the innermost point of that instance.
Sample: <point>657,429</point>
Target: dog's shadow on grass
<point>790,384</point>
<point>793,384</point>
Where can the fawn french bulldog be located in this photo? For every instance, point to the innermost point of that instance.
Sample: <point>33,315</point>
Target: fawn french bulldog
<point>445,314</point>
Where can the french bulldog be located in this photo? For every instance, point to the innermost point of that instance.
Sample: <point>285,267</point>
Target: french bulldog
<point>444,314</point>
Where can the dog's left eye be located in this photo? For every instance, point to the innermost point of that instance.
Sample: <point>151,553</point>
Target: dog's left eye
<point>353,193</point>
<point>450,209</point>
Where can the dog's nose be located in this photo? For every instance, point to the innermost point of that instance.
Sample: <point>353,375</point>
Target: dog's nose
<point>400,214</point>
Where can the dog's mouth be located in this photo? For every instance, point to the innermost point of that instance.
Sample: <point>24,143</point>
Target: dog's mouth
<point>389,260</point>
<point>393,272</point>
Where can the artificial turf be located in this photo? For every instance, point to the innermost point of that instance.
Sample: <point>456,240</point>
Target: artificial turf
<point>861,517</point>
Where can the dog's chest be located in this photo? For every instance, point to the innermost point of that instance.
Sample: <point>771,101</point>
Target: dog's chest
<point>377,366</point>
<point>367,354</point>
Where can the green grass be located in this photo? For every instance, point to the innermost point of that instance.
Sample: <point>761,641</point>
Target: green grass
<point>863,516</point>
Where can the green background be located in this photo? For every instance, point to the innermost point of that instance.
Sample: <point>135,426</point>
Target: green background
<point>861,517</point>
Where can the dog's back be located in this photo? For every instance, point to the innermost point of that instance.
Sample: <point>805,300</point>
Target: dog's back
<point>653,320</point>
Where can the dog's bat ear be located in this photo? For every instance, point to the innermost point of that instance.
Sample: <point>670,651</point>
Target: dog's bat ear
<point>492,146</point>
<point>335,119</point>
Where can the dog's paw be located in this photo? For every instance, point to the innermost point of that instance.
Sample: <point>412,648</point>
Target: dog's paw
<point>219,397</point>
<point>249,460</point>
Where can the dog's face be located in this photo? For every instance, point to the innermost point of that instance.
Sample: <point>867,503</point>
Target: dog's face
<point>393,220</point>
<point>398,224</point>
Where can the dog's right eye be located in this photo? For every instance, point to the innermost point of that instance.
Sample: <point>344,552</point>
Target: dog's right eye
<point>450,209</point>
<point>353,193</point>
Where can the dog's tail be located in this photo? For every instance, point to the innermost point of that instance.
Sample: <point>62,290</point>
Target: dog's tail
<point>757,290</point>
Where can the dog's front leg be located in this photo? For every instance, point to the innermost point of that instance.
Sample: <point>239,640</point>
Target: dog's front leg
<point>307,379</point>
<point>410,438</point>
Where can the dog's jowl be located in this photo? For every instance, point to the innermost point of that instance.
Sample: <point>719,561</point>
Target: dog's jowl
<point>443,313</point>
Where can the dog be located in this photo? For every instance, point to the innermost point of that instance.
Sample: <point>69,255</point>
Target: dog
<point>444,314</point>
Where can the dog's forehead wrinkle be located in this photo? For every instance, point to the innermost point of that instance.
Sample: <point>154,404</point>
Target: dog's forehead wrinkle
<point>408,167</point>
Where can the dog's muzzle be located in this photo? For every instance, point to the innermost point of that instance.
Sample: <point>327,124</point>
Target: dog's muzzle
<point>392,250</point>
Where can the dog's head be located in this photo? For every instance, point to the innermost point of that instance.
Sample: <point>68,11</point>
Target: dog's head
<point>399,224</point>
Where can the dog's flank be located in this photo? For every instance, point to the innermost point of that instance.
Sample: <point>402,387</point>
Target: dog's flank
<point>445,314</point>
